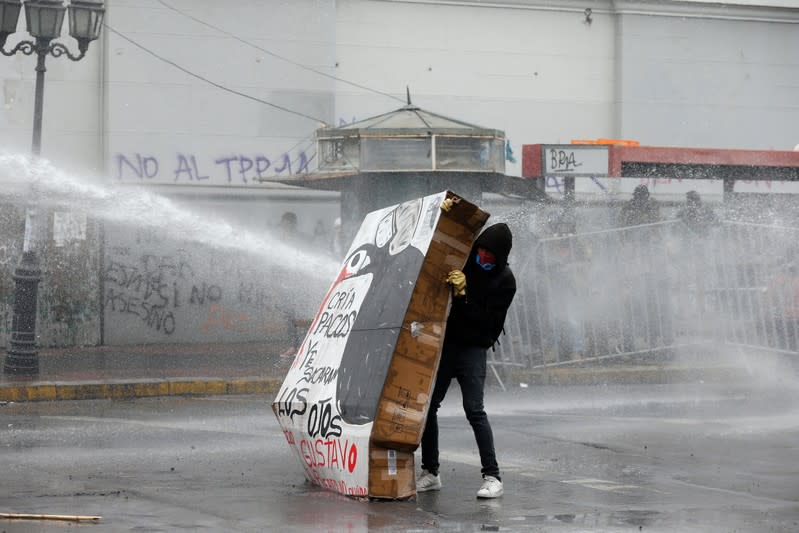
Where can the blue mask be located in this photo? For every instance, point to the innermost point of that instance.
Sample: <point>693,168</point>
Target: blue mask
<point>485,266</point>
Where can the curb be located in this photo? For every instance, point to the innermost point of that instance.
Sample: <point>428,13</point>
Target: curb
<point>127,389</point>
<point>650,375</point>
<point>42,391</point>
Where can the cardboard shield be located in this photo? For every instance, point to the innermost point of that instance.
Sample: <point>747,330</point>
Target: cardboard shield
<point>355,399</point>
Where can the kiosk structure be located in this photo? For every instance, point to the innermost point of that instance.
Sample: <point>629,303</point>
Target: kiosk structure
<point>354,402</point>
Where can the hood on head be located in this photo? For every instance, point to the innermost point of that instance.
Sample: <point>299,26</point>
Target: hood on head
<point>641,193</point>
<point>498,240</point>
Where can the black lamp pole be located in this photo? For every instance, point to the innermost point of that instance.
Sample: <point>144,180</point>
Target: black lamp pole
<point>44,21</point>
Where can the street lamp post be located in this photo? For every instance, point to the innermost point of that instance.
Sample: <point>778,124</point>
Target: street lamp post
<point>44,20</point>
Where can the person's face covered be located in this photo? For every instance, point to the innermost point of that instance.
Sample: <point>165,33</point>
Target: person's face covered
<point>641,193</point>
<point>485,259</point>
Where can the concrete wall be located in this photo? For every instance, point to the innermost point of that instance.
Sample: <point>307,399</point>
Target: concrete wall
<point>536,70</point>
<point>238,283</point>
<point>678,73</point>
<point>145,108</point>
<point>721,82</point>
<point>69,300</point>
<point>166,126</point>
<point>72,111</point>
<point>672,73</point>
<point>128,115</point>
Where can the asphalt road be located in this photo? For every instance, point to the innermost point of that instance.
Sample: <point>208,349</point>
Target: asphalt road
<point>633,458</point>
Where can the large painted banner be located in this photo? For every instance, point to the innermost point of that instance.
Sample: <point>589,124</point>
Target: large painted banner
<point>354,401</point>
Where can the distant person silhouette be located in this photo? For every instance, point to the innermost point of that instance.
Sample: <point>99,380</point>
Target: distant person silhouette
<point>646,307</point>
<point>697,216</point>
<point>288,225</point>
<point>640,209</point>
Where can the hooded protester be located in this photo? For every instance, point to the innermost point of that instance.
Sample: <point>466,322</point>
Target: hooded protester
<point>699,217</point>
<point>640,209</point>
<point>482,292</point>
<point>646,302</point>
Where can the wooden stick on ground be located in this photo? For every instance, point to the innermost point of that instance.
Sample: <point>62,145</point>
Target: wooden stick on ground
<point>70,518</point>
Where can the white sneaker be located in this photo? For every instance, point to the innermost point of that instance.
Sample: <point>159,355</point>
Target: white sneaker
<point>428,481</point>
<point>491,488</point>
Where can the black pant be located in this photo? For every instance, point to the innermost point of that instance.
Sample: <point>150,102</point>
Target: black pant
<point>467,364</point>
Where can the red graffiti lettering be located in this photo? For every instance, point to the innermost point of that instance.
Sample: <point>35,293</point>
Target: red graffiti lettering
<point>341,486</point>
<point>332,453</point>
<point>352,458</point>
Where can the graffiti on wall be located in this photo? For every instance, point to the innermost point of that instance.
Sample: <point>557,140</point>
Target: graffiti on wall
<point>154,290</point>
<point>328,401</point>
<point>68,293</point>
<point>158,289</point>
<point>229,169</point>
<point>12,227</point>
<point>9,255</point>
<point>164,293</point>
<point>10,251</point>
<point>147,289</point>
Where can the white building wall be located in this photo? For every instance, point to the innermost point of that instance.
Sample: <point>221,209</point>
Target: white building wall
<point>72,107</point>
<point>154,103</point>
<point>674,73</point>
<point>192,132</point>
<point>711,81</point>
<point>538,73</point>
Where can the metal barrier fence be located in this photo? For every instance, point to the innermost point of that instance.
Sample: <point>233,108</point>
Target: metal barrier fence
<point>758,292</point>
<point>652,290</point>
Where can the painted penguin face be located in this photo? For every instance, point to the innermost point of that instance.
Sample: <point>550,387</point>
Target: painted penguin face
<point>357,262</point>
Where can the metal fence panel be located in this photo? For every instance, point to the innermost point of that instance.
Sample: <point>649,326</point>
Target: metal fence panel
<point>653,290</point>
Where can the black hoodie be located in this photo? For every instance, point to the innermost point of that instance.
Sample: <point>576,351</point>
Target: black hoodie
<point>478,318</point>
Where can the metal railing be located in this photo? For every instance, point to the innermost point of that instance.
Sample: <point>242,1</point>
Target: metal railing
<point>651,291</point>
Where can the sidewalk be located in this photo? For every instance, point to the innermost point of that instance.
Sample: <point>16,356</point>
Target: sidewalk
<point>120,372</point>
<point>149,370</point>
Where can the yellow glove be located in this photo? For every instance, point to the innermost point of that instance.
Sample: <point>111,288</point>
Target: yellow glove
<point>457,279</point>
<point>447,204</point>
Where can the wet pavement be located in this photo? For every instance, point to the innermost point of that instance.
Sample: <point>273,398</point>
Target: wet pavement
<point>680,457</point>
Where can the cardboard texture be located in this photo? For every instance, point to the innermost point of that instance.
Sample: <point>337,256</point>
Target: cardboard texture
<point>354,402</point>
<point>391,473</point>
